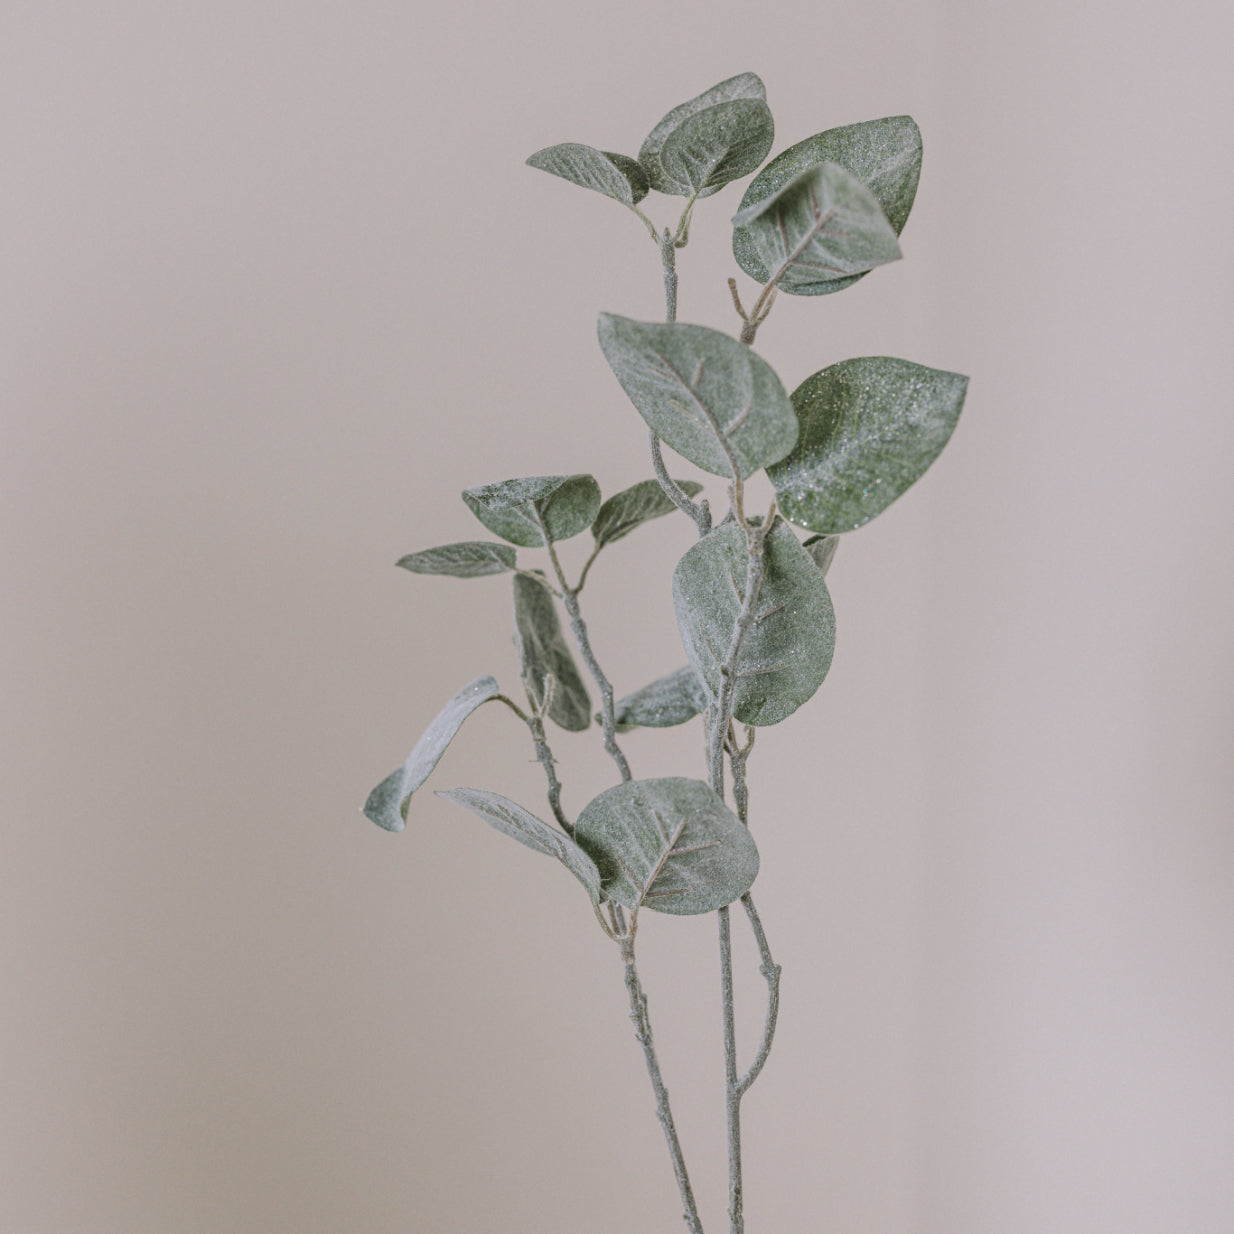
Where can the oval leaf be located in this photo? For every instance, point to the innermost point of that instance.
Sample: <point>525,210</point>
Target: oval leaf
<point>824,224</point>
<point>511,819</point>
<point>615,175</point>
<point>468,559</point>
<point>885,155</point>
<point>668,701</point>
<point>543,650</point>
<point>869,429</point>
<point>387,804</point>
<point>697,388</point>
<point>787,651</point>
<point>567,504</point>
<point>711,148</point>
<point>671,845</point>
<point>633,506</point>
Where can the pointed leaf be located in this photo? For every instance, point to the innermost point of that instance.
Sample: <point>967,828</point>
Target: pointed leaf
<point>511,819</point>
<point>869,429</point>
<point>387,804</point>
<point>615,175</point>
<point>468,559</point>
<point>543,650</point>
<point>633,506</point>
<point>668,701</point>
<point>671,845</point>
<point>822,550</point>
<point>885,155</point>
<point>695,386</point>
<point>824,224</point>
<point>787,651</point>
<point>568,505</point>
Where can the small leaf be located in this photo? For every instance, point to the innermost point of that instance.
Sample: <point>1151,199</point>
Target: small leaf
<point>668,701</point>
<point>633,506</point>
<point>387,804</point>
<point>543,650</point>
<point>568,505</point>
<point>671,845</point>
<point>869,429</point>
<point>720,135</point>
<point>695,386</point>
<point>469,559</point>
<point>824,224</point>
<point>511,819</point>
<point>885,155</point>
<point>822,550</point>
<point>615,175</point>
<point>787,651</point>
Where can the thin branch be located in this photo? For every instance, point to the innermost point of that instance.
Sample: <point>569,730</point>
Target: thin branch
<point>700,511</point>
<point>771,974</point>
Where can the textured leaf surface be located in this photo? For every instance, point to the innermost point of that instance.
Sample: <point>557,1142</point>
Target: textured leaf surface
<point>823,225</point>
<point>511,819</point>
<point>615,175</point>
<point>468,559</point>
<point>669,700</point>
<point>870,428</point>
<point>787,651</point>
<point>694,385</point>
<point>387,804</point>
<point>671,845</point>
<point>543,649</point>
<point>568,504</point>
<point>885,155</point>
<point>822,550</point>
<point>633,506</point>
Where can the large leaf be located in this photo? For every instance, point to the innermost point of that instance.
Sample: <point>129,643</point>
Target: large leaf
<point>568,504</point>
<point>885,155</point>
<point>787,651</point>
<point>633,506</point>
<point>511,819</point>
<point>694,385</point>
<point>615,175</point>
<point>387,804</point>
<point>671,845</point>
<point>468,559</point>
<point>869,428</point>
<point>543,650</point>
<point>823,225</point>
<point>667,701</point>
<point>720,135</point>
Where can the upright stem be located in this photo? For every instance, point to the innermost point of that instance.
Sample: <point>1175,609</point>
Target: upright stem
<point>668,262</point>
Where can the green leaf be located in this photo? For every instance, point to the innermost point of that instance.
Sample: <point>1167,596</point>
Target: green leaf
<point>615,175</point>
<point>543,650</point>
<point>469,559</point>
<point>823,225</point>
<point>671,845</point>
<point>633,506</point>
<point>511,819</point>
<point>668,701</point>
<point>787,651</point>
<point>695,386</point>
<point>720,135</point>
<point>885,155</point>
<point>387,804</point>
<point>568,505</point>
<point>869,428</point>
<point>822,550</point>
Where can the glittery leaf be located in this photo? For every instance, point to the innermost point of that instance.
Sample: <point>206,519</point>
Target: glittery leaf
<point>543,650</point>
<point>568,504</point>
<point>667,701</point>
<point>615,175</point>
<point>633,506</point>
<point>468,559</point>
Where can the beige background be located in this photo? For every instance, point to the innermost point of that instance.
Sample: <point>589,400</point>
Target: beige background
<point>275,285</point>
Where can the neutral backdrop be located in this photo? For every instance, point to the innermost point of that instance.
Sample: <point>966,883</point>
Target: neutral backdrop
<point>275,285</point>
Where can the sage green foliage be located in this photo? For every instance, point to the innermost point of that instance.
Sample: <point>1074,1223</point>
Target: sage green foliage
<point>822,550</point>
<point>467,559</point>
<point>567,504</point>
<point>869,428</point>
<point>787,651</point>
<point>633,507</point>
<point>544,652</point>
<point>615,175</point>
<point>671,845</point>
<point>709,396</point>
<point>666,702</point>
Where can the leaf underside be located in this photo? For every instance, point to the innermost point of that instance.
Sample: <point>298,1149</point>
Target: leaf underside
<point>543,651</point>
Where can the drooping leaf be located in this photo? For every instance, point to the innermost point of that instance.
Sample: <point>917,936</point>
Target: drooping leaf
<point>885,155</point>
<point>615,175</point>
<point>468,559</point>
<point>869,428</point>
<point>787,651</point>
<point>695,386</point>
<point>668,701</point>
<point>387,804</point>
<point>568,505</point>
<point>633,506</point>
<point>671,845</point>
<point>511,819</point>
<point>720,135</point>
<point>822,225</point>
<point>543,650</point>
<point>822,550</point>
